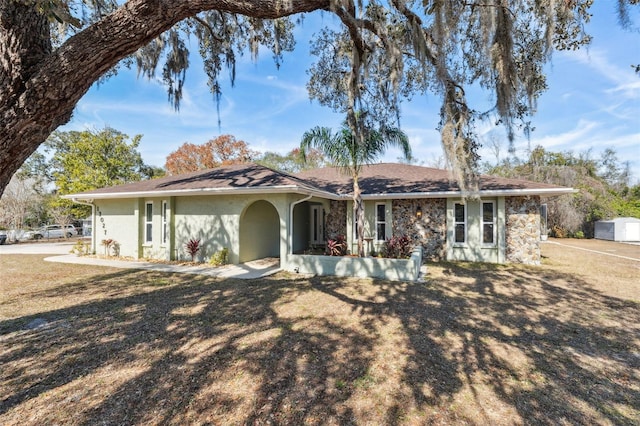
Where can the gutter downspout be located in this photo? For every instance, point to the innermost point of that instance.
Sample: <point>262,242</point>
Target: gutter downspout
<point>290,250</point>
<point>93,221</point>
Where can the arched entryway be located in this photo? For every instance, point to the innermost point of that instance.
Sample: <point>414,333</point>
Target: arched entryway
<point>259,232</point>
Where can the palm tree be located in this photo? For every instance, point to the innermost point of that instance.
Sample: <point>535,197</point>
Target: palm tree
<point>351,153</point>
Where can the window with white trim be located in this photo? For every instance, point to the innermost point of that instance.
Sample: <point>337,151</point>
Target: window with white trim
<point>488,223</point>
<point>165,221</point>
<point>460,223</point>
<point>148,222</point>
<point>381,222</point>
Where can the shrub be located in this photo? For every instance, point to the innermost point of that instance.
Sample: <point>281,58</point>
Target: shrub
<point>220,257</point>
<point>193,247</point>
<point>81,248</point>
<point>108,243</point>
<point>397,247</point>
<point>558,232</point>
<point>337,246</point>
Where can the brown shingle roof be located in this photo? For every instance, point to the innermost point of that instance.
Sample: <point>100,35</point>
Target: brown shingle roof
<point>384,179</point>
<point>393,178</point>
<point>239,176</point>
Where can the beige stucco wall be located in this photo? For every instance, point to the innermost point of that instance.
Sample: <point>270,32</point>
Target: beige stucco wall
<point>369,226</point>
<point>117,220</point>
<point>230,221</point>
<point>212,219</point>
<point>363,267</point>
<point>473,249</point>
<point>156,249</point>
<point>216,220</point>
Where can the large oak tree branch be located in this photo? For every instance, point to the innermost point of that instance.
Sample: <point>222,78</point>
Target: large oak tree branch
<point>54,84</point>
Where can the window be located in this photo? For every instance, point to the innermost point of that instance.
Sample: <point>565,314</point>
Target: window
<point>460,223</point>
<point>165,222</point>
<point>488,223</point>
<point>148,222</point>
<point>381,223</point>
<point>355,226</point>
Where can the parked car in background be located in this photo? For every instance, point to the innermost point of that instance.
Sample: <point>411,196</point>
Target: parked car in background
<point>55,231</point>
<point>3,237</point>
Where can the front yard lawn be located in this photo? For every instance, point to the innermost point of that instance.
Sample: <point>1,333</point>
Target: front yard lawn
<point>474,344</point>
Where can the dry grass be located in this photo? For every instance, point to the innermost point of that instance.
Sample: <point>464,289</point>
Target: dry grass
<point>475,344</point>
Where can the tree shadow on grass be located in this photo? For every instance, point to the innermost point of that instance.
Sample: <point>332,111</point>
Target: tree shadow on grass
<point>577,348</point>
<point>161,348</point>
<point>545,343</point>
<point>184,343</point>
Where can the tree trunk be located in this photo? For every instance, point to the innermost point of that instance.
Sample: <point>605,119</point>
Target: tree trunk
<point>358,210</point>
<point>39,88</point>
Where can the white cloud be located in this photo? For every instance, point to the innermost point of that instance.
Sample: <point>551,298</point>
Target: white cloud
<point>582,129</point>
<point>628,90</point>
<point>594,137</point>
<point>625,81</point>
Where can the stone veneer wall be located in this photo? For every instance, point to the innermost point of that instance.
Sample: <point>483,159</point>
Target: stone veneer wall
<point>523,230</point>
<point>336,219</point>
<point>430,230</point>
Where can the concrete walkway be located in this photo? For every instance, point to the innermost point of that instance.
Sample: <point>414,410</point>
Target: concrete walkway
<point>249,270</point>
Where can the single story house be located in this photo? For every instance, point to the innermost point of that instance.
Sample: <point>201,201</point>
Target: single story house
<point>257,212</point>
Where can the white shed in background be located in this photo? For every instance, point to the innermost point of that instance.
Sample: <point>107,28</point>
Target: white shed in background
<point>620,229</point>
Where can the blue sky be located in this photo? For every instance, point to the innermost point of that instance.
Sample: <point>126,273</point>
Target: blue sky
<point>593,102</point>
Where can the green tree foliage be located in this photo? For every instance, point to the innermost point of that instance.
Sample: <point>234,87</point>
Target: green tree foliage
<point>386,52</point>
<point>603,185</point>
<point>94,159</point>
<point>90,159</point>
<point>293,161</point>
<point>383,51</point>
<point>351,153</point>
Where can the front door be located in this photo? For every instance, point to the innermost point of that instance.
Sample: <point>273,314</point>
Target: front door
<point>317,225</point>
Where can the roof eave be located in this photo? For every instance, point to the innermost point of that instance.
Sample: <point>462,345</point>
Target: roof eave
<point>547,192</point>
<point>280,189</point>
<point>296,189</point>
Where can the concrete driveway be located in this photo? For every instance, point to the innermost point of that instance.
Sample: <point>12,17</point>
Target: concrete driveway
<point>61,251</point>
<point>58,247</point>
<point>630,251</point>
